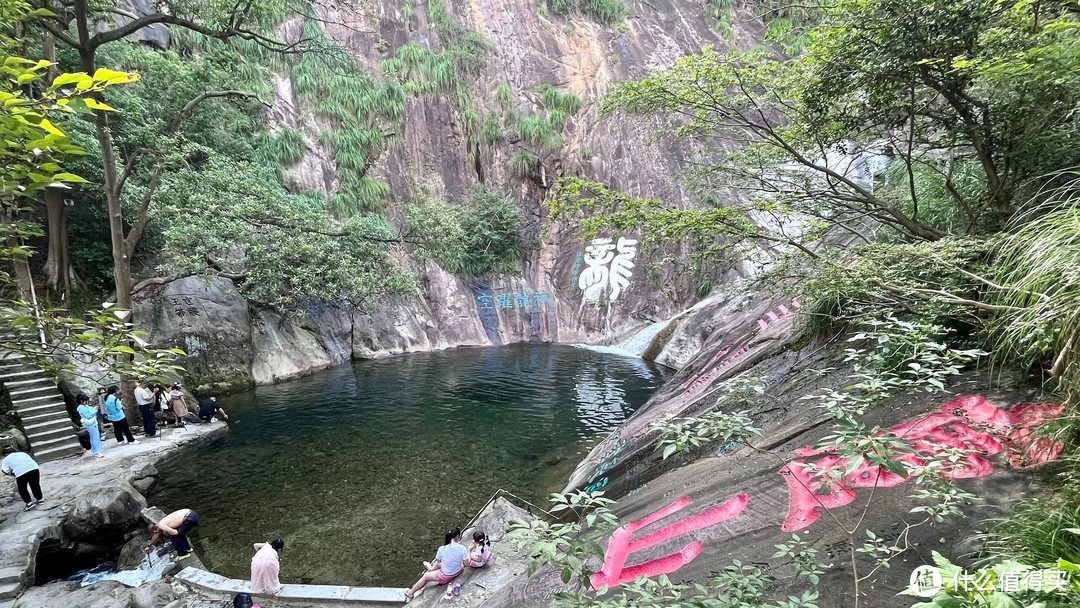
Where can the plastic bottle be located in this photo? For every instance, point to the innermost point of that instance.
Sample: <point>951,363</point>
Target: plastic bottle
<point>457,589</point>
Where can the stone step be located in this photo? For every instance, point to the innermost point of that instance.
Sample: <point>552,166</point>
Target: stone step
<point>58,452</point>
<point>18,372</point>
<point>43,415</point>
<point>19,393</point>
<point>38,408</point>
<point>58,432</point>
<point>27,382</point>
<point>9,590</point>
<point>59,420</point>
<point>58,442</point>
<point>12,575</point>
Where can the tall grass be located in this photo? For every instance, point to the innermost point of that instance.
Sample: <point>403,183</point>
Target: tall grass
<point>1039,263</point>
<point>1037,531</point>
<point>607,12</point>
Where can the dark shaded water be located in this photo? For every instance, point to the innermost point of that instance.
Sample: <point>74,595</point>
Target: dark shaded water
<point>361,469</point>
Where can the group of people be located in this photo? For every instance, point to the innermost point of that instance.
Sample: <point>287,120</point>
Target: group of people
<point>451,560</point>
<point>150,400</point>
<point>176,525</point>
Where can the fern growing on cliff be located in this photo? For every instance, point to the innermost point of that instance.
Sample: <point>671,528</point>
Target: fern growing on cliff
<point>522,163</point>
<point>607,12</point>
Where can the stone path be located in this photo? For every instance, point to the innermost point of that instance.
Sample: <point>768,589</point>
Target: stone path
<point>66,480</point>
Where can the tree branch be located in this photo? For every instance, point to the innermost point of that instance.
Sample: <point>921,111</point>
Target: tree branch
<point>190,106</point>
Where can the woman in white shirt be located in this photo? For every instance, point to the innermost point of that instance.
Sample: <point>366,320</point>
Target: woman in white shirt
<point>27,477</point>
<point>449,564</point>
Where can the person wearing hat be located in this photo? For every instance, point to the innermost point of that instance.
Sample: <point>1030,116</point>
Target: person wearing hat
<point>178,404</point>
<point>27,476</point>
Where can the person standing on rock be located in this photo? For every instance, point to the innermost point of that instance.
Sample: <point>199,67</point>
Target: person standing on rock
<point>88,418</point>
<point>176,526</point>
<point>27,476</point>
<point>145,398</point>
<point>114,411</point>
<point>208,408</point>
<point>265,567</point>
<point>178,404</point>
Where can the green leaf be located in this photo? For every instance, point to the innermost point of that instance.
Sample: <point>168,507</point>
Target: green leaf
<point>94,104</point>
<point>70,177</point>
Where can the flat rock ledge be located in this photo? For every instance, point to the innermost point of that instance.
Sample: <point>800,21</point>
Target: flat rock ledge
<point>87,487</point>
<point>477,586</point>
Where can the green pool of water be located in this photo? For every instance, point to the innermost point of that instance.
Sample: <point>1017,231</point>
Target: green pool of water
<point>361,469</point>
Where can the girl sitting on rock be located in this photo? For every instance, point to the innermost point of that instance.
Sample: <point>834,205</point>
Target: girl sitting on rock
<point>449,564</point>
<point>479,551</point>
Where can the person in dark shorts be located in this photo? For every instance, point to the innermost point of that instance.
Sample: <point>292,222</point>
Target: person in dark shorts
<point>208,408</point>
<point>176,526</point>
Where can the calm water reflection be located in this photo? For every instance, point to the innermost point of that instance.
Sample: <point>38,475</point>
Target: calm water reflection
<point>362,468</point>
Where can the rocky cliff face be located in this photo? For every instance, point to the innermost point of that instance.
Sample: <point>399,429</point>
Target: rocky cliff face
<point>566,292</point>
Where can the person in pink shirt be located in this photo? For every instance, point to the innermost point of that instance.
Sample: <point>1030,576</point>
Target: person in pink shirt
<point>265,567</point>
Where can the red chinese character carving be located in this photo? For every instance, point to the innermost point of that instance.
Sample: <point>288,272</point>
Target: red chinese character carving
<point>620,546</point>
<point>969,423</point>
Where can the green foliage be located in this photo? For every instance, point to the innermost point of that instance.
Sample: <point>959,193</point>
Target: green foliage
<point>522,163</point>
<point>481,236</point>
<point>536,131</point>
<point>34,151</point>
<point>606,12</point>
<point>684,434</point>
<point>962,588</point>
<point>284,148</point>
<point>504,95</point>
<point>920,278</point>
<point>1038,263</point>
<point>555,99</point>
<point>925,83</point>
<point>1037,530</point>
<point>233,218</point>
<point>362,112</point>
<point>567,547</point>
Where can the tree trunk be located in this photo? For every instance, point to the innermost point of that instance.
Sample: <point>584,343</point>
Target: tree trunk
<point>21,265</point>
<point>59,274</point>
<point>121,255</point>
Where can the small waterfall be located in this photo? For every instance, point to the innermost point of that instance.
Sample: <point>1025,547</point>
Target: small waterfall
<point>147,571</point>
<point>637,344</point>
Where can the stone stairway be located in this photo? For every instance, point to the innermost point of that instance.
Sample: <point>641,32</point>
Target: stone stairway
<point>42,410</point>
<point>11,582</point>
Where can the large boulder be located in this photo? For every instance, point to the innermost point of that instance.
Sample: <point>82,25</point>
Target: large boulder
<point>144,477</point>
<point>106,594</point>
<point>155,594</point>
<point>131,554</point>
<point>479,586</point>
<point>105,512</point>
<point>207,318</point>
<point>282,349</point>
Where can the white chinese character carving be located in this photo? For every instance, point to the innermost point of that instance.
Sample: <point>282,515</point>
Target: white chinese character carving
<point>622,266</point>
<point>595,276</point>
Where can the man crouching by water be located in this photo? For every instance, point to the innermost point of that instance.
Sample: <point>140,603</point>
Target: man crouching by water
<point>176,526</point>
